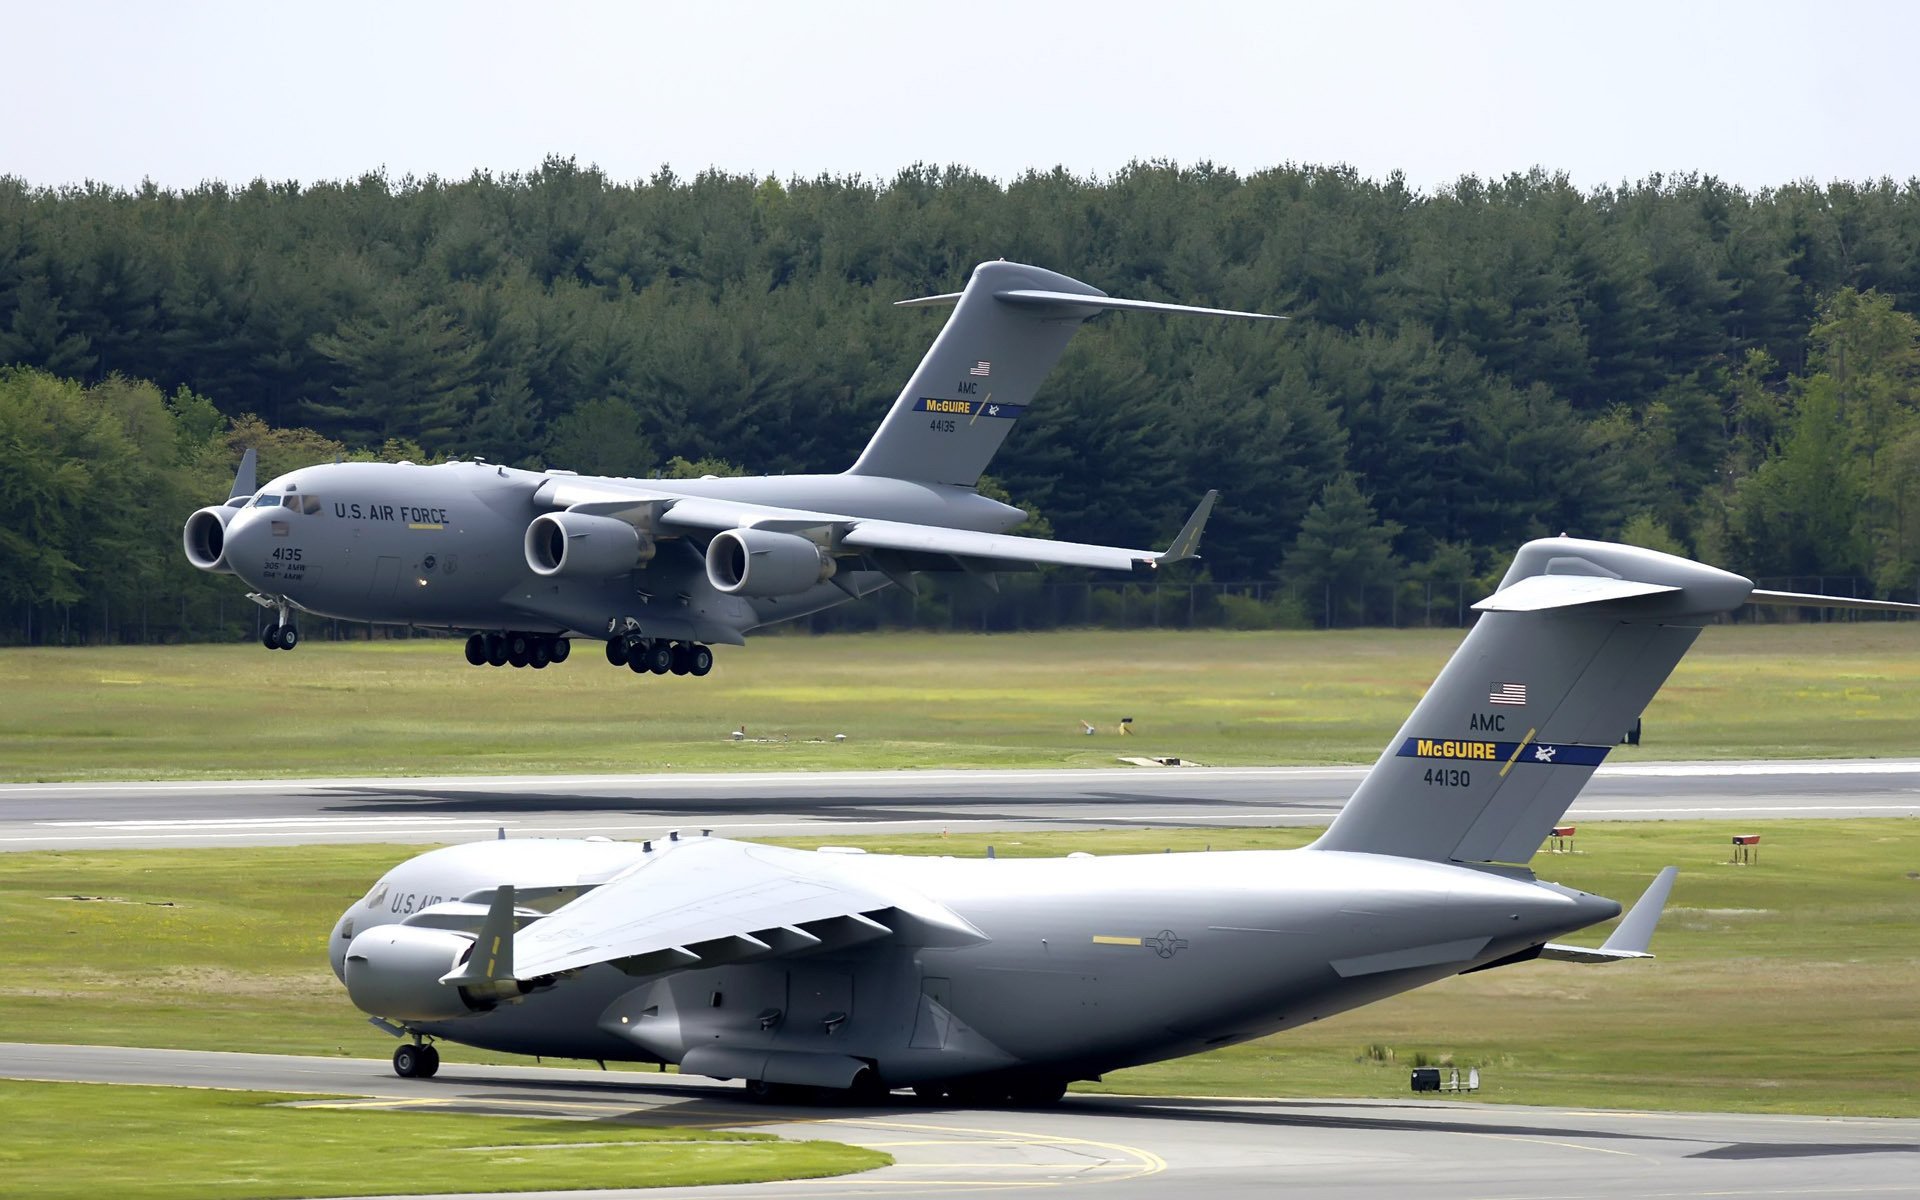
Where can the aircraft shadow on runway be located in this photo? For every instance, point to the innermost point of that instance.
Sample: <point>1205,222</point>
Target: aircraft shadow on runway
<point>819,805</point>
<point>698,1105</point>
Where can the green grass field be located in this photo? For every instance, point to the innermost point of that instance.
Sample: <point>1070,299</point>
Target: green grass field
<point>195,1144</point>
<point>1793,985</point>
<point>902,699</point>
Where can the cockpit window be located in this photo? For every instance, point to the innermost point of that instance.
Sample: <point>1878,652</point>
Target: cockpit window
<point>309,505</point>
<point>267,501</point>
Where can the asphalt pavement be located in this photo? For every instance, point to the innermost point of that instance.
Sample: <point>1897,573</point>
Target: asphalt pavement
<point>462,808</point>
<point>1123,1146</point>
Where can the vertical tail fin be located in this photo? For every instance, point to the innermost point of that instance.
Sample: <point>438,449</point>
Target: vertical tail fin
<point>1569,650</point>
<point>1009,327</point>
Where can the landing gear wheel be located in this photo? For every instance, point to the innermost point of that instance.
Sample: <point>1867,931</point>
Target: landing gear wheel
<point>617,651</point>
<point>660,658</point>
<point>289,637</point>
<point>537,654</point>
<point>558,648</point>
<point>477,650</point>
<point>682,658</point>
<point>429,1062</point>
<point>517,644</point>
<point>700,661</point>
<point>639,651</point>
<point>408,1060</point>
<point>270,637</point>
<point>496,650</point>
<point>762,1092</point>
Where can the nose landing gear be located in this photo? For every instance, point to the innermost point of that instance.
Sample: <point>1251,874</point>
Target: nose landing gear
<point>416,1061</point>
<point>280,634</point>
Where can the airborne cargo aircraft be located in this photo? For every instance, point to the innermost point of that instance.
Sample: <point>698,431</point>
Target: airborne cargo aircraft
<point>993,980</point>
<point>658,568</point>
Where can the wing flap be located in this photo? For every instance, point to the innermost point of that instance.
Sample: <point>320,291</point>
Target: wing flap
<point>705,902</point>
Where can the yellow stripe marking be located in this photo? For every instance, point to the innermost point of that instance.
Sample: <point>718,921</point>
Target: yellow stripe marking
<point>1101,939</point>
<point>1517,750</point>
<point>978,408</point>
<point>425,525</point>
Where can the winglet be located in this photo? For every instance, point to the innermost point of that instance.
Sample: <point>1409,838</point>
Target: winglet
<point>1631,937</point>
<point>243,479</point>
<point>1633,934</point>
<point>1186,543</point>
<point>492,957</point>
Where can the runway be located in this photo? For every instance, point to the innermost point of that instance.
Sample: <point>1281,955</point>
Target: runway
<point>461,808</point>
<point>1123,1146</point>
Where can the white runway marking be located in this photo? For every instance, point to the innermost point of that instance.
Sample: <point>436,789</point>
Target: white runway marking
<point>267,822</point>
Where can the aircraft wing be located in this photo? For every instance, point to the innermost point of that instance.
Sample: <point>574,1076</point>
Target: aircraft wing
<point>708,901</point>
<point>670,513</point>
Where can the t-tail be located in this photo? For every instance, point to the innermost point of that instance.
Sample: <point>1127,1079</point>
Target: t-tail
<point>1564,658</point>
<point>1008,329</point>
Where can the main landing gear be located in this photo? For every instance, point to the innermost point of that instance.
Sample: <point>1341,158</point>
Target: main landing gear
<point>659,656</point>
<point>534,650</point>
<point>416,1061</point>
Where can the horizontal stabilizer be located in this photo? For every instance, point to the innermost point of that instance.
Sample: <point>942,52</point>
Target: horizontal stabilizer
<point>1811,600</point>
<point>1536,593</point>
<point>1073,303</point>
<point>1077,304</point>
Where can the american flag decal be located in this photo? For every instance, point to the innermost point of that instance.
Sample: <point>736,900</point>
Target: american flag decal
<point>1507,693</point>
<point>982,368</point>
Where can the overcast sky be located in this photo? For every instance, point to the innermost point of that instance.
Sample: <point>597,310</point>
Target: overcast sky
<point>1756,92</point>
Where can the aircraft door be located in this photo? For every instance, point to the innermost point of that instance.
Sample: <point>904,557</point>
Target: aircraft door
<point>386,574</point>
<point>819,1002</point>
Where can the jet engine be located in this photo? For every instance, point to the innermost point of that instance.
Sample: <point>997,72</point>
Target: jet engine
<point>205,537</point>
<point>394,971</point>
<point>585,546</point>
<point>759,562</point>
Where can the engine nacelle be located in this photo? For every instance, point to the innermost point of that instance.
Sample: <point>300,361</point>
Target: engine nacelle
<point>585,546</point>
<point>759,562</point>
<point>394,971</point>
<point>205,537</point>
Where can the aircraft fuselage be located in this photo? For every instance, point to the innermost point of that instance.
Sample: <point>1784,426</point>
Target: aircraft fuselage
<point>1091,964</point>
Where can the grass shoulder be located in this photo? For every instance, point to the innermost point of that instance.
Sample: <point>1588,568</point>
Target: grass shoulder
<point>198,1144</point>
<point>904,700</point>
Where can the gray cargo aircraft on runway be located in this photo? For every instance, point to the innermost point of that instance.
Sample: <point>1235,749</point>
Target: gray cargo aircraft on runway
<point>988,980</point>
<point>661,568</point>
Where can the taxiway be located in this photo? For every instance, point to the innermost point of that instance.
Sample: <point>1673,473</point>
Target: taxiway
<point>1125,1146</point>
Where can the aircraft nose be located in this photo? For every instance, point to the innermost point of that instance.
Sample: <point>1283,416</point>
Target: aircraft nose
<point>338,943</point>
<point>247,538</point>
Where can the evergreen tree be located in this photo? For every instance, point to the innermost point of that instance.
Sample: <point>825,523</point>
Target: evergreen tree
<point>1342,549</point>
